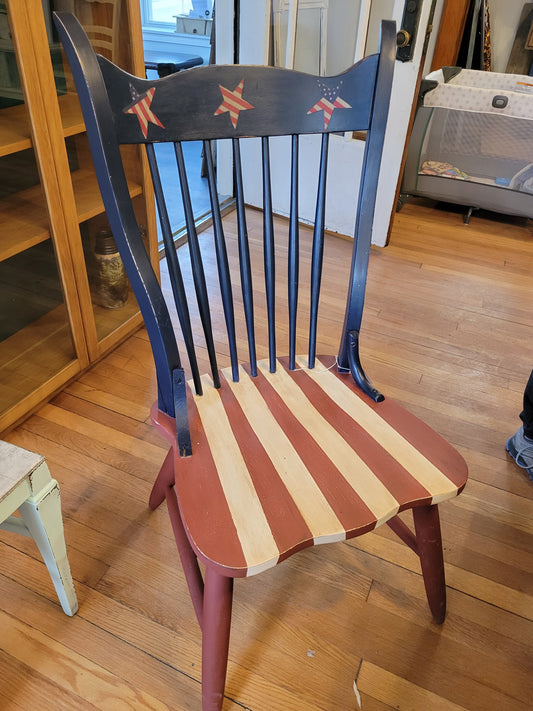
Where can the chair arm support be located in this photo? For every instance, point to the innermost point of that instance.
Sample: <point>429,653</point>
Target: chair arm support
<point>180,410</point>
<point>356,369</point>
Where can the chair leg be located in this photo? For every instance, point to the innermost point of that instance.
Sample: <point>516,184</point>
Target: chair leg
<point>215,638</point>
<point>165,478</point>
<point>429,541</point>
<point>164,488</point>
<point>189,561</point>
<point>44,521</point>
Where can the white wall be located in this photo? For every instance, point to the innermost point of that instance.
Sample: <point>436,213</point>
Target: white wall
<point>168,42</point>
<point>252,19</point>
<point>504,17</point>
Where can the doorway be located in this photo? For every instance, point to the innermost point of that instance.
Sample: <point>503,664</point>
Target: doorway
<point>325,36</point>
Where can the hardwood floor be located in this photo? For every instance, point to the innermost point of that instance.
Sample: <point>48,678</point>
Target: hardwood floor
<point>448,333</point>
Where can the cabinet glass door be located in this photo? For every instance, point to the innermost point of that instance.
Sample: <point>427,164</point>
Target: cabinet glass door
<point>108,304</point>
<point>37,348</point>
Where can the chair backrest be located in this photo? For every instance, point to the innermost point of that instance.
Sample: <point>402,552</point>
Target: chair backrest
<point>230,102</point>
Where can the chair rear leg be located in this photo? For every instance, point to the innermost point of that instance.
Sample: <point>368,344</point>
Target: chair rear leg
<point>218,595</point>
<point>164,480</point>
<point>429,542</point>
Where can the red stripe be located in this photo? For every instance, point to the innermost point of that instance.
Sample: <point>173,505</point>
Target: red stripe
<point>289,529</point>
<point>341,104</point>
<point>206,515</point>
<point>143,108</point>
<point>237,103</point>
<point>235,99</point>
<point>153,118</point>
<point>401,484</point>
<point>428,442</point>
<point>352,512</point>
<point>143,123</point>
<point>434,447</point>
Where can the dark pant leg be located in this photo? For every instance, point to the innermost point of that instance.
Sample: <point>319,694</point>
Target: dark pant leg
<point>527,413</point>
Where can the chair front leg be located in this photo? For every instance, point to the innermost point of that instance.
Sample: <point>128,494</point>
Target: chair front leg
<point>429,542</point>
<point>218,595</point>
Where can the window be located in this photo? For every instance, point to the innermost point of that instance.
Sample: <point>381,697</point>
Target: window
<point>162,13</point>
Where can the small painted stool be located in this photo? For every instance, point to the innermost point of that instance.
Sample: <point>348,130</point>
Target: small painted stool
<point>26,486</point>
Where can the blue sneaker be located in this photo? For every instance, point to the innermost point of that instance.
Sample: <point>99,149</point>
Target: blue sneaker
<point>520,448</point>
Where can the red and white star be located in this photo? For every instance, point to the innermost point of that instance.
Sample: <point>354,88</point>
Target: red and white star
<point>140,107</point>
<point>233,102</point>
<point>329,102</point>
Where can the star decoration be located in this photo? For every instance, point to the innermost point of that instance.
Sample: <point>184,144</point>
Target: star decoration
<point>233,102</point>
<point>329,102</point>
<point>140,107</point>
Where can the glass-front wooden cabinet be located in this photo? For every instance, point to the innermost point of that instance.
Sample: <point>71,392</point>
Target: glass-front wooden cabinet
<point>59,308</point>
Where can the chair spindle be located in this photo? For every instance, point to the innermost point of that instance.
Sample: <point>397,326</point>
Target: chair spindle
<point>198,273</point>
<point>176,278</point>
<point>244,256</point>
<point>318,248</point>
<point>294,253</point>
<point>268,252</point>
<point>222,260</point>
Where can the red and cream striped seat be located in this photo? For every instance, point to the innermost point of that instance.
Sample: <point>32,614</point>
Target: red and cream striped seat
<point>297,458</point>
<point>269,457</point>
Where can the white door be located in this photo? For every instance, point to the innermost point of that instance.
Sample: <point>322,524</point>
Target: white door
<point>326,36</point>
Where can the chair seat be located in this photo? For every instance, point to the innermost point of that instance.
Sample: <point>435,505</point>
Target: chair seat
<point>290,459</point>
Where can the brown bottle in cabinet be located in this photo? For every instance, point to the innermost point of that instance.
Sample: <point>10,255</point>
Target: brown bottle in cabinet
<point>110,284</point>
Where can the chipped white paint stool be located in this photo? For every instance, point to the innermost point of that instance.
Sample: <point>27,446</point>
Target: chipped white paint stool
<point>26,486</point>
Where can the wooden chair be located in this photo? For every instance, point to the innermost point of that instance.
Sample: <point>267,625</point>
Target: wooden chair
<point>26,486</point>
<point>277,454</point>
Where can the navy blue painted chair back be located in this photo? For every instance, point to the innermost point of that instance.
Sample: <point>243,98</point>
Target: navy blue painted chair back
<point>230,102</point>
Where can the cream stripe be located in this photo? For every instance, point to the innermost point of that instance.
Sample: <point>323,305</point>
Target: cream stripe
<point>358,474</point>
<point>316,511</point>
<point>234,104</point>
<point>398,447</point>
<point>258,544</point>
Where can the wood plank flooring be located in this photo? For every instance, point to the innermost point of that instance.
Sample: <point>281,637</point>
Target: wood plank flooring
<point>447,332</point>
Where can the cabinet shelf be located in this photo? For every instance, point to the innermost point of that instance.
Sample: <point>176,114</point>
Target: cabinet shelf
<point>24,221</point>
<point>108,320</point>
<point>87,196</point>
<point>14,130</point>
<point>24,217</point>
<point>71,116</point>
<point>33,355</point>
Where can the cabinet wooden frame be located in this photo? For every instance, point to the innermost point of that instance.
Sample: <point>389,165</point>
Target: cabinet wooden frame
<point>59,206</point>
